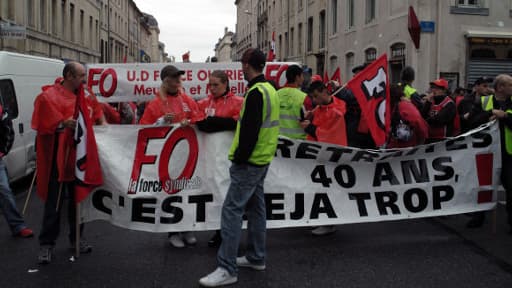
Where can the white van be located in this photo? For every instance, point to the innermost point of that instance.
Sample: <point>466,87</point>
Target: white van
<point>21,79</point>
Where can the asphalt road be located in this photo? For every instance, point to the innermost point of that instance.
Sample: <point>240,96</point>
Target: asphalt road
<point>411,253</point>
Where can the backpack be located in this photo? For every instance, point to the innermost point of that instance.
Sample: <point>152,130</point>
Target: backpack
<point>400,129</point>
<point>6,133</point>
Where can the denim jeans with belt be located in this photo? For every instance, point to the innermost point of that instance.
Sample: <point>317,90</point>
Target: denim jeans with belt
<point>245,194</point>
<point>7,203</point>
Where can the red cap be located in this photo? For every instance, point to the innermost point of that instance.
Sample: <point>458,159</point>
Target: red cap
<point>441,83</point>
<point>316,77</point>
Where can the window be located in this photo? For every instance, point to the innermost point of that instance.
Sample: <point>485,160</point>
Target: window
<point>42,15</point>
<point>63,18</point>
<point>334,16</point>
<point>30,13</point>
<point>322,31</point>
<point>301,4</point>
<point>54,17</point>
<point>468,3</point>
<point>370,11</point>
<point>471,7</point>
<point>4,7</point>
<point>72,22</point>
<point>310,34</point>
<point>292,41</point>
<point>398,51</point>
<point>91,42</point>
<point>7,9</point>
<point>280,48</point>
<point>82,34</point>
<point>8,98</point>
<point>286,46</point>
<point>349,64</point>
<point>350,14</point>
<point>370,55</point>
<point>299,38</point>
<point>96,35</point>
<point>333,63</point>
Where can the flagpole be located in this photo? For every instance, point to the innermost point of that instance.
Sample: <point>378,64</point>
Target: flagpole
<point>77,232</point>
<point>29,192</point>
<point>62,183</point>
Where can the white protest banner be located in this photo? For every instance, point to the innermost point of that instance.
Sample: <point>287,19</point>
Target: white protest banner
<point>172,178</point>
<point>140,81</point>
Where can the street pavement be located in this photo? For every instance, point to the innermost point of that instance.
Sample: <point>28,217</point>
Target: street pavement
<point>436,252</point>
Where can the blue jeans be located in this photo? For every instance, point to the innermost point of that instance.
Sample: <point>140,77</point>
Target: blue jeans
<point>7,203</point>
<point>245,194</point>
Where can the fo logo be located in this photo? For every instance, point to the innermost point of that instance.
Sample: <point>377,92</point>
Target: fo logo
<point>165,183</point>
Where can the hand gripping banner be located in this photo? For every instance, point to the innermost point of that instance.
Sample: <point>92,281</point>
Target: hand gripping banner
<point>174,178</point>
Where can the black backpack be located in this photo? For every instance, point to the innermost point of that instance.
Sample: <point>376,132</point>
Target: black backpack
<point>6,133</point>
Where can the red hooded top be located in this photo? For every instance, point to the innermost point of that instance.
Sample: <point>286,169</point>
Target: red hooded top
<point>410,114</point>
<point>181,105</point>
<point>227,106</point>
<point>54,105</point>
<point>330,123</point>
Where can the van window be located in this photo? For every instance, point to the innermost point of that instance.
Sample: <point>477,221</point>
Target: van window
<point>8,98</point>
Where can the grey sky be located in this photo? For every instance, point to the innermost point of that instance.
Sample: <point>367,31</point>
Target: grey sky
<point>194,25</point>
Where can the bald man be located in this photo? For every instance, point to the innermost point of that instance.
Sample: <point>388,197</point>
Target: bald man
<point>53,114</point>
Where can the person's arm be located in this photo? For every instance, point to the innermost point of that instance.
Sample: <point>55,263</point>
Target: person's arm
<point>216,124</point>
<point>46,117</point>
<point>250,125</point>
<point>416,100</point>
<point>478,115</point>
<point>445,116</point>
<point>149,116</point>
<point>310,130</point>
<point>195,114</point>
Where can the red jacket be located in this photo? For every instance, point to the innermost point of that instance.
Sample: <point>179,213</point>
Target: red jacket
<point>54,105</point>
<point>329,121</point>
<point>227,106</point>
<point>410,114</point>
<point>181,105</point>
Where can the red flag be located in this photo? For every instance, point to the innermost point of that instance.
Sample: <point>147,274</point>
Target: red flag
<point>186,57</point>
<point>87,165</point>
<point>125,58</point>
<point>414,28</point>
<point>371,89</point>
<point>271,53</point>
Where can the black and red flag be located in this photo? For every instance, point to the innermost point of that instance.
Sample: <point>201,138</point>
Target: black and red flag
<point>371,89</point>
<point>87,166</point>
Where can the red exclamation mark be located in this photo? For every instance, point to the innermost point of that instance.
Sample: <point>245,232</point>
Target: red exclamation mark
<point>484,171</point>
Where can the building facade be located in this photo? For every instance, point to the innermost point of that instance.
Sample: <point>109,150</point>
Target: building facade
<point>88,31</point>
<point>223,47</point>
<point>460,40</point>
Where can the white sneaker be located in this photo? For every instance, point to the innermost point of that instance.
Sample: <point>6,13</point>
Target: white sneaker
<point>219,277</point>
<point>243,262</point>
<point>323,230</point>
<point>190,238</point>
<point>176,240</point>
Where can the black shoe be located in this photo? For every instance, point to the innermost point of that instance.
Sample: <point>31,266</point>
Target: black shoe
<point>84,247</point>
<point>475,223</point>
<point>215,240</point>
<point>45,255</point>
